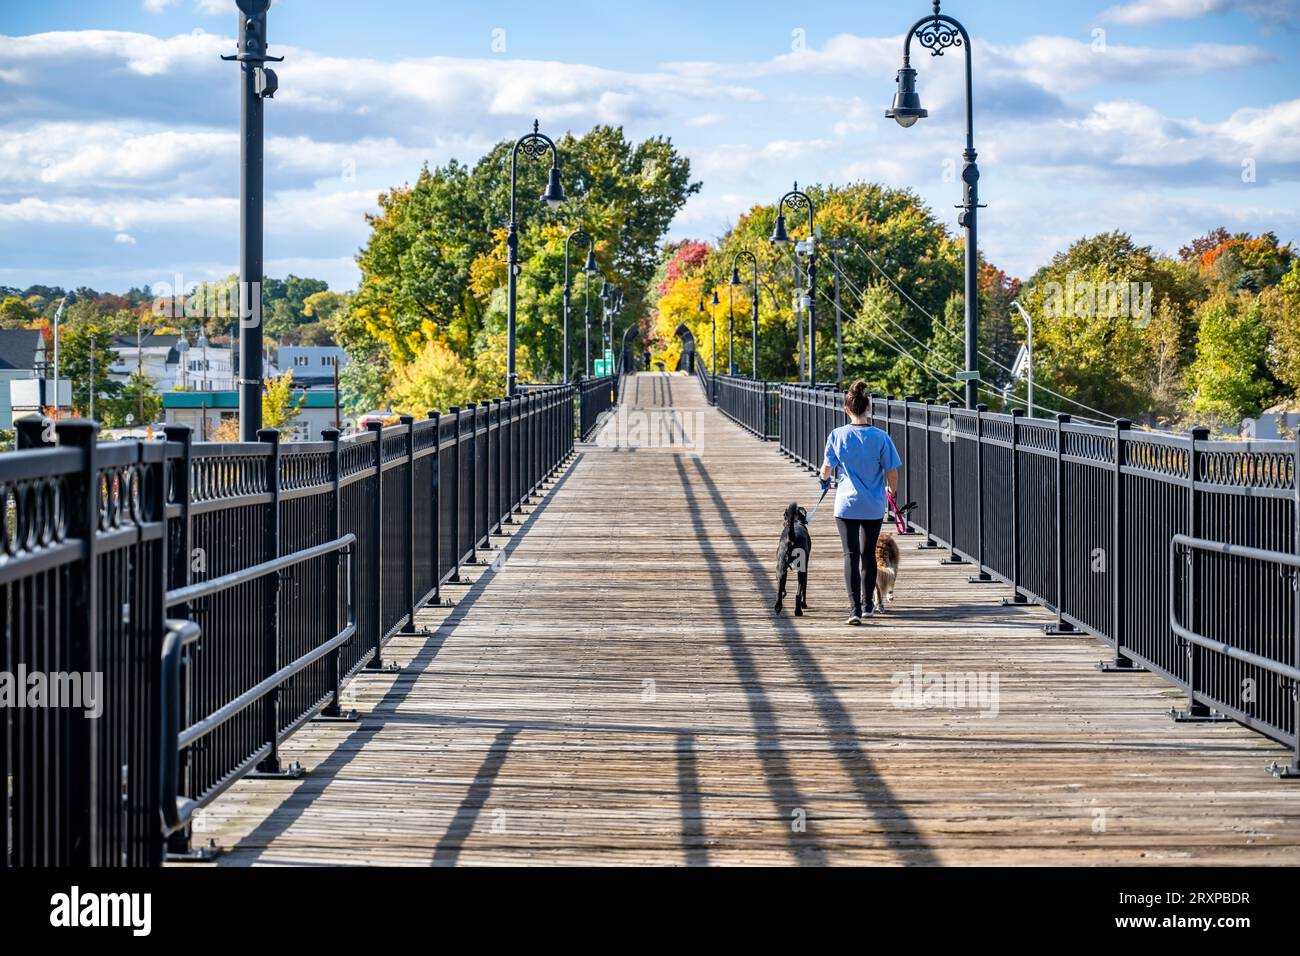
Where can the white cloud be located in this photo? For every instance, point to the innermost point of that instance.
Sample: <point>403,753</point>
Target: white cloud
<point>158,6</point>
<point>1143,12</point>
<point>124,238</point>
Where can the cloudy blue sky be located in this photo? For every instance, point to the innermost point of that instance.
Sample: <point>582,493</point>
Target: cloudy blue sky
<point>119,149</point>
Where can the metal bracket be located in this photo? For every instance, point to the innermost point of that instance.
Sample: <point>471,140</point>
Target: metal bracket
<point>202,854</point>
<point>1063,629</point>
<point>292,771</point>
<point>1284,771</point>
<point>1120,665</point>
<point>1188,716</point>
<point>342,717</point>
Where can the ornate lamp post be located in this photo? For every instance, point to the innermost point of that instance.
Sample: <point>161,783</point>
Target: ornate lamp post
<point>588,267</point>
<point>259,83</point>
<point>615,307</point>
<point>606,300</point>
<point>735,281</point>
<point>533,145</point>
<point>798,200</point>
<point>937,33</point>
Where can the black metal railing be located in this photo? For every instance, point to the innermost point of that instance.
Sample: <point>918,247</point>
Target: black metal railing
<point>593,396</point>
<point>1082,519</point>
<point>225,593</point>
<point>754,405</point>
<point>706,380</point>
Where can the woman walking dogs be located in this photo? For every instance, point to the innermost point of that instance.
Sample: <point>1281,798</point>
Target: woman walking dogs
<point>867,463</point>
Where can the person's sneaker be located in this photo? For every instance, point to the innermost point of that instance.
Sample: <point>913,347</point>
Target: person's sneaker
<point>854,618</point>
<point>869,612</point>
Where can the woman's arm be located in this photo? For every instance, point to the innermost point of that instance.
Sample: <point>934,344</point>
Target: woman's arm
<point>891,479</point>
<point>827,471</point>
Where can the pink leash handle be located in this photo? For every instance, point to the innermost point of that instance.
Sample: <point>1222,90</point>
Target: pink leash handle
<point>899,521</point>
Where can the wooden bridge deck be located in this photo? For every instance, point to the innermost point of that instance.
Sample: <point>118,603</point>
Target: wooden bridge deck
<point>616,689</point>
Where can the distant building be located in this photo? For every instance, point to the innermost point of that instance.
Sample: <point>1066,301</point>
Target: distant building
<point>204,411</point>
<point>1279,422</point>
<point>22,359</point>
<point>312,365</point>
<point>173,361</point>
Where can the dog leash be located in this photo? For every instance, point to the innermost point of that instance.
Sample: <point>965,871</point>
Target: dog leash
<point>819,504</point>
<point>900,514</point>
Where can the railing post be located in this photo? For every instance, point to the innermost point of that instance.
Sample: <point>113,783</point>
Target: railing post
<point>1294,770</point>
<point>908,402</point>
<point>1061,626</point>
<point>950,439</point>
<point>499,506</point>
<point>470,493</point>
<point>929,543</point>
<point>408,539</point>
<point>179,575</point>
<point>83,644</point>
<point>334,590</point>
<point>981,576</point>
<point>270,765</point>
<point>1195,711</point>
<point>454,412</point>
<point>33,431</point>
<point>1016,596</point>
<point>1116,562</point>
<point>435,490</point>
<point>376,548</point>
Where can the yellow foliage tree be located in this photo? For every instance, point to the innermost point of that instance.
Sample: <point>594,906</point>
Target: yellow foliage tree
<point>436,378</point>
<point>279,407</point>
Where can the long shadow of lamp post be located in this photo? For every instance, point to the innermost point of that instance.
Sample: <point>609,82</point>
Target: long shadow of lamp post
<point>533,145</point>
<point>259,83</point>
<point>798,200</point>
<point>753,305</point>
<point>937,33</point>
<point>588,267</point>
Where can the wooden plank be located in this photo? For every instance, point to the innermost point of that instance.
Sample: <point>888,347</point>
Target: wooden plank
<point>617,691</point>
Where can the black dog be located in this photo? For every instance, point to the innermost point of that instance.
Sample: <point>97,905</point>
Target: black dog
<point>794,552</point>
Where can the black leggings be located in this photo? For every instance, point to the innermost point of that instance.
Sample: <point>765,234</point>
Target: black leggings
<point>858,538</point>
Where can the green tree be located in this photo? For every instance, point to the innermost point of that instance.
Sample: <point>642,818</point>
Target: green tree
<point>17,314</point>
<point>1230,379</point>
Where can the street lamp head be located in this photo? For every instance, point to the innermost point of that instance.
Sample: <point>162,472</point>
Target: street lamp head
<point>735,275</point>
<point>554,194</point>
<point>779,236</point>
<point>589,266</point>
<point>715,298</point>
<point>907,107</point>
<point>701,308</point>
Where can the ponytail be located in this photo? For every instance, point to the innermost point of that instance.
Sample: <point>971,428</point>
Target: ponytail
<point>858,399</point>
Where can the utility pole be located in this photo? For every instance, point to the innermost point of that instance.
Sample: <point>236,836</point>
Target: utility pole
<point>259,83</point>
<point>836,245</point>
<point>798,313</point>
<point>58,316</point>
<point>338,409</point>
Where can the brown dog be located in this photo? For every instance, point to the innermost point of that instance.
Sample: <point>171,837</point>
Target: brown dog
<point>887,558</point>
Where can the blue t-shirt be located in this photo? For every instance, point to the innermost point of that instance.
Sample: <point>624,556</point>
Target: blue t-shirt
<point>862,454</point>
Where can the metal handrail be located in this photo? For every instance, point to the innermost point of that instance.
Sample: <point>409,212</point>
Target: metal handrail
<point>177,809</point>
<point>1182,543</point>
